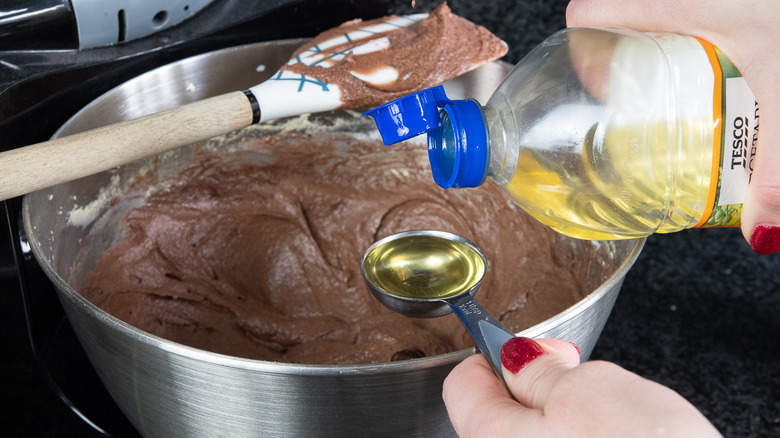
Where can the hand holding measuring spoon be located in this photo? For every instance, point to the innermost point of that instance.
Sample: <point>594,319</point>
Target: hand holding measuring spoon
<point>432,273</point>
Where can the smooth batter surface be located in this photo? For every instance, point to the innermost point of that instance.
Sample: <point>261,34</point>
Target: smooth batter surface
<point>256,253</point>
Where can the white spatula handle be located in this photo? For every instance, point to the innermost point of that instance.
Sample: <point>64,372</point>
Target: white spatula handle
<point>41,165</point>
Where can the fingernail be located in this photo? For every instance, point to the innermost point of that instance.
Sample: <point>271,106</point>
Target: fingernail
<point>765,239</point>
<point>518,352</point>
<point>577,347</point>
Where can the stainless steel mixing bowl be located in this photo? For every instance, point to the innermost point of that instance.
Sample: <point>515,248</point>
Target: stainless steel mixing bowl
<point>169,390</point>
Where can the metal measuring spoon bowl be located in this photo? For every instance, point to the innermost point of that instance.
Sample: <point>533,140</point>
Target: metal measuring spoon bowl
<point>426,274</point>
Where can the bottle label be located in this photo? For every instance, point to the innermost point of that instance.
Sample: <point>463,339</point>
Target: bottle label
<point>735,111</point>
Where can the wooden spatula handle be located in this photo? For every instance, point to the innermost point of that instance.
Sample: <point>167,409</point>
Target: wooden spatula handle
<point>41,165</point>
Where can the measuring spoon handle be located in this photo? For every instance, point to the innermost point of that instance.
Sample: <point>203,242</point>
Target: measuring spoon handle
<point>488,332</point>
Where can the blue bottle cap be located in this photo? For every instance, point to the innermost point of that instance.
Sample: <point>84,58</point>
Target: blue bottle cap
<point>409,116</point>
<point>458,147</point>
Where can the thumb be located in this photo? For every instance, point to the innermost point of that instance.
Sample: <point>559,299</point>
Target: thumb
<point>542,362</point>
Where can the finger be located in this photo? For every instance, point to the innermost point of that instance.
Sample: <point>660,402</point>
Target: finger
<point>476,399</point>
<point>531,368</point>
<point>761,209</point>
<point>479,405</point>
<point>657,16</point>
<point>595,398</point>
<point>692,17</point>
<point>619,13</point>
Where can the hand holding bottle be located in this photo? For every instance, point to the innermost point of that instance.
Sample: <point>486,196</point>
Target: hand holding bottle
<point>604,133</point>
<point>747,33</point>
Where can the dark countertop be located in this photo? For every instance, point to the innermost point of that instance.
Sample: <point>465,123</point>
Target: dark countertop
<point>698,312</point>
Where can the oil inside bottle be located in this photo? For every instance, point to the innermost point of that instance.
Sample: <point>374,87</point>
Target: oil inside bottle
<point>619,184</point>
<point>425,266</point>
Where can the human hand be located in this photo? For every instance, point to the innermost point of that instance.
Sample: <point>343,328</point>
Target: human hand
<point>556,396</point>
<point>747,32</point>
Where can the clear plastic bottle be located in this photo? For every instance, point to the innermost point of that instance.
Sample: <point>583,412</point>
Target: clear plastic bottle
<point>599,133</point>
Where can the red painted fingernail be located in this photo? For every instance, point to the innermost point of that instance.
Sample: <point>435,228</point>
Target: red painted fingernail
<point>577,347</point>
<point>765,239</point>
<point>518,352</point>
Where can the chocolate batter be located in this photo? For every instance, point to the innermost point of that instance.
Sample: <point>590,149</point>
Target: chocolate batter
<point>424,55</point>
<point>255,253</point>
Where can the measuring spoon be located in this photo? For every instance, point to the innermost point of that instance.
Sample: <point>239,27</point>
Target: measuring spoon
<point>426,274</point>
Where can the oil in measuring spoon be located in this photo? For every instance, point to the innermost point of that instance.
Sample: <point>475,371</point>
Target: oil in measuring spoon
<point>425,266</point>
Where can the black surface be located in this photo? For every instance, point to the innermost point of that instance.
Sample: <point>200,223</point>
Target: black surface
<point>698,312</point>
<point>37,24</point>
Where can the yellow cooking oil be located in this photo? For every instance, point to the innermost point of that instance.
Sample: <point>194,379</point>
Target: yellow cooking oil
<point>425,266</point>
<point>628,182</point>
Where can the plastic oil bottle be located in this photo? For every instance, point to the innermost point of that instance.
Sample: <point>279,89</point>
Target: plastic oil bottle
<point>599,133</point>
